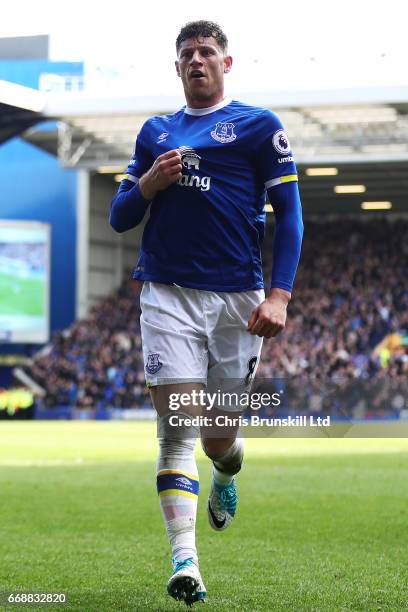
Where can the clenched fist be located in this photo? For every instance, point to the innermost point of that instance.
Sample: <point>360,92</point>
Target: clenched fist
<point>165,171</point>
<point>269,318</point>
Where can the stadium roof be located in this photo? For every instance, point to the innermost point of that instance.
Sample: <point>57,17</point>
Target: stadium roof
<point>346,126</point>
<point>363,133</point>
<point>337,126</point>
<point>20,109</point>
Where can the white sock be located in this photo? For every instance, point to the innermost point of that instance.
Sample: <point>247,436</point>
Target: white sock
<point>229,464</point>
<point>178,486</point>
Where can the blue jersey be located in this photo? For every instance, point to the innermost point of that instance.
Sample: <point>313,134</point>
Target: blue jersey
<point>206,230</point>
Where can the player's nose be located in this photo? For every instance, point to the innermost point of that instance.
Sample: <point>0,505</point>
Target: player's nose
<point>196,58</point>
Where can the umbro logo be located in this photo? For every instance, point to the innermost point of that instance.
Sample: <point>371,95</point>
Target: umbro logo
<point>183,480</point>
<point>162,137</point>
<point>184,483</point>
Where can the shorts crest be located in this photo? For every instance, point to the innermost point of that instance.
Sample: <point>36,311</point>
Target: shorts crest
<point>153,364</point>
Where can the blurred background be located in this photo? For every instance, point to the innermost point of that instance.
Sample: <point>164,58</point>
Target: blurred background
<point>76,86</point>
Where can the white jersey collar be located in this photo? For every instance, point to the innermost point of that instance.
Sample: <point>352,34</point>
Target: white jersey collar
<point>206,111</point>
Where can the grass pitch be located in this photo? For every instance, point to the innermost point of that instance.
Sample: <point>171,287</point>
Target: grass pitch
<point>321,525</point>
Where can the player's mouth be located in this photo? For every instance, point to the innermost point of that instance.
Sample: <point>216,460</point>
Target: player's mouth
<point>196,75</point>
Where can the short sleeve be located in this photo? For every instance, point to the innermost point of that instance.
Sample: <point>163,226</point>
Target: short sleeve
<point>141,159</point>
<point>274,156</point>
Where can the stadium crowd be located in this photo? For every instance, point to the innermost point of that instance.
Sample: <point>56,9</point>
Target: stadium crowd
<point>98,361</point>
<point>351,295</point>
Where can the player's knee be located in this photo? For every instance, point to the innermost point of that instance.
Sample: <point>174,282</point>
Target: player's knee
<point>182,430</point>
<point>215,448</point>
<point>172,448</point>
<point>176,443</point>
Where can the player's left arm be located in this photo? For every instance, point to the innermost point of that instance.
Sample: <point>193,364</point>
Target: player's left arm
<point>278,171</point>
<point>269,318</point>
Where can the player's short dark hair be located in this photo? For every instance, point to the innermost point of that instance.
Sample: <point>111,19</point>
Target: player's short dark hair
<point>202,29</point>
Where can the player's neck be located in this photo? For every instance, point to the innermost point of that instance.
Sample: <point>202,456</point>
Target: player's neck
<point>206,110</point>
<point>205,104</point>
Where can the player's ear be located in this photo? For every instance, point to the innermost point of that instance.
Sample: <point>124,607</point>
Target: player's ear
<point>227,63</point>
<point>177,68</point>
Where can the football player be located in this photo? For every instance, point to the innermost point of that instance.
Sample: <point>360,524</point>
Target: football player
<point>203,173</point>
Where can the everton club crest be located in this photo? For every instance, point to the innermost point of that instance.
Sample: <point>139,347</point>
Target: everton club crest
<point>153,364</point>
<point>224,132</point>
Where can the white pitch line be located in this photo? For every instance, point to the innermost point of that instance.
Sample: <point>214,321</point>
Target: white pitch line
<point>40,462</point>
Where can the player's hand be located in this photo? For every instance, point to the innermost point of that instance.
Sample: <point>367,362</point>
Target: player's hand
<point>165,171</point>
<point>269,318</point>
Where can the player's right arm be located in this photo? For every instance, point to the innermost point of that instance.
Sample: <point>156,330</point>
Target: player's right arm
<point>145,177</point>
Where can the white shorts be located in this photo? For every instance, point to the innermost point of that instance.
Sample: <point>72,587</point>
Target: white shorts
<point>190,335</point>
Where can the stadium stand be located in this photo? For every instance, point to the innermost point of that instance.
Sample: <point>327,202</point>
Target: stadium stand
<point>352,327</point>
<point>98,360</point>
